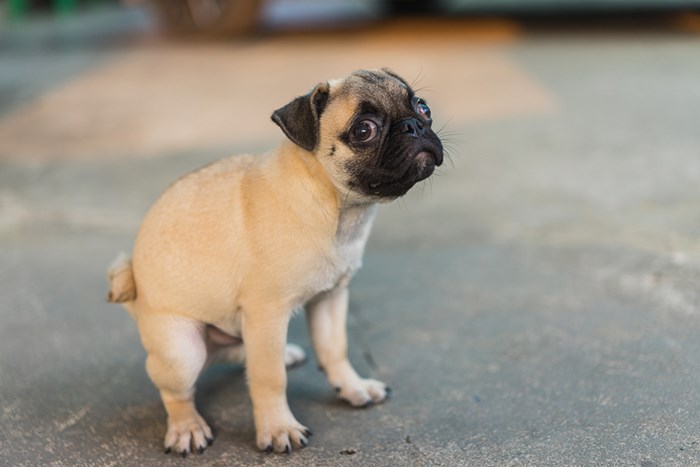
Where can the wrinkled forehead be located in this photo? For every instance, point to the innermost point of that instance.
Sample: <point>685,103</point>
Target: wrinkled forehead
<point>378,88</point>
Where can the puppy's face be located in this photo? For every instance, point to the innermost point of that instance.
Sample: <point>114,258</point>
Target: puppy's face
<point>369,130</point>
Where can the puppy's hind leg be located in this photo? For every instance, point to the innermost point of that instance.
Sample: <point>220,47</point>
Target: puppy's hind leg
<point>294,356</point>
<point>223,348</point>
<point>177,354</point>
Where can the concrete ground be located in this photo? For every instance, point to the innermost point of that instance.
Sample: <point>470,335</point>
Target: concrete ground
<point>535,303</point>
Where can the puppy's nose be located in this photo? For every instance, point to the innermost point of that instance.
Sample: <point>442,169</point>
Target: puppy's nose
<point>412,127</point>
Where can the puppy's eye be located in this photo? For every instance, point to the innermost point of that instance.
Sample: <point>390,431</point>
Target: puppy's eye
<point>423,109</point>
<point>365,130</point>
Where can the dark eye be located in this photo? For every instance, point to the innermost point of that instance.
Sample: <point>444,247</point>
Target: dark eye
<point>423,109</point>
<point>365,130</point>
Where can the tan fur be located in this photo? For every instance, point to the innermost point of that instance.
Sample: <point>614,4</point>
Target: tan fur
<point>228,252</point>
<point>122,287</point>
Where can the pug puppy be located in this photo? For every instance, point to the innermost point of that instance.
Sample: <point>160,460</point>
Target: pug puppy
<point>228,252</point>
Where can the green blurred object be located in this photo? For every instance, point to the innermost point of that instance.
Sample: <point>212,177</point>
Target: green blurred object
<point>64,7</point>
<point>17,9</point>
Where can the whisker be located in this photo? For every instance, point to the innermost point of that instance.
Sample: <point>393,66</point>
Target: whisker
<point>451,136</point>
<point>402,204</point>
<point>449,150</point>
<point>445,124</point>
<point>455,143</point>
<point>417,79</point>
<point>424,89</point>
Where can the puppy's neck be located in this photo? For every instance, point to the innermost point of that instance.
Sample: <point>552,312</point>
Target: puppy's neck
<point>355,222</point>
<point>354,217</point>
<point>304,175</point>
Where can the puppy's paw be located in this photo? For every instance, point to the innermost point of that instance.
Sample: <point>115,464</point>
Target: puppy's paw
<point>188,434</point>
<point>282,435</point>
<point>361,392</point>
<point>294,356</point>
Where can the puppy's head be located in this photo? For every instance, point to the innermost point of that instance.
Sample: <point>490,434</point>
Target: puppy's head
<point>370,132</point>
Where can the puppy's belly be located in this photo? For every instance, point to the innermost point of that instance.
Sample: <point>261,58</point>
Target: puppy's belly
<point>220,338</point>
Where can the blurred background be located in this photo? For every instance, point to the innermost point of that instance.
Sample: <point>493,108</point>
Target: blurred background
<point>535,302</point>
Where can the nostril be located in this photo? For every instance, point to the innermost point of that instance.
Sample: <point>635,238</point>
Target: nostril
<point>412,127</point>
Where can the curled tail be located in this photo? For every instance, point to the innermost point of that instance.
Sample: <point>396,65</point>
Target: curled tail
<point>122,287</point>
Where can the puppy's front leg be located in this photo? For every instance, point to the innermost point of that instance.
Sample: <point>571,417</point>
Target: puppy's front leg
<point>327,317</point>
<point>264,336</point>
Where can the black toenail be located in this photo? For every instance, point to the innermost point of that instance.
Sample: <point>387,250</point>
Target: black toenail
<point>287,449</point>
<point>268,449</point>
<point>303,443</point>
<point>168,450</point>
<point>210,441</point>
<point>184,454</point>
<point>308,432</point>
<point>201,449</point>
<point>337,389</point>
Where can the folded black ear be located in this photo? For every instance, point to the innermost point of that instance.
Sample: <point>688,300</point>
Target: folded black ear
<point>300,118</point>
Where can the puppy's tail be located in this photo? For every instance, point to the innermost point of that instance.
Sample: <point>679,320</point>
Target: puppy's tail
<point>122,287</point>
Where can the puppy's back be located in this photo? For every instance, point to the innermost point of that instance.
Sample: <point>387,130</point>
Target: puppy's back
<point>179,247</point>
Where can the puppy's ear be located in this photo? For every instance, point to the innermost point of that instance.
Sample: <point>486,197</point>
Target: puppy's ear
<point>300,118</point>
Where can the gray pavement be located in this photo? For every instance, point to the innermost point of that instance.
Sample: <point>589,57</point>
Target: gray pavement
<point>537,303</point>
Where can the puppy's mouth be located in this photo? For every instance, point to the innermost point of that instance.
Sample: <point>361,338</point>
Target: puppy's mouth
<point>414,169</point>
<point>425,162</point>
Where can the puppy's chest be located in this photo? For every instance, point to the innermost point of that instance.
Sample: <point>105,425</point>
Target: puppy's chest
<point>344,258</point>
